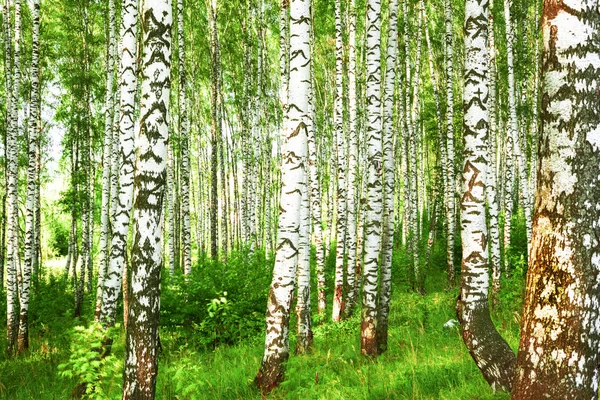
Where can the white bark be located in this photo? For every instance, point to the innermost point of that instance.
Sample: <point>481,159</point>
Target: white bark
<point>374,206</point>
<point>141,366</point>
<point>127,88</point>
<point>294,153</point>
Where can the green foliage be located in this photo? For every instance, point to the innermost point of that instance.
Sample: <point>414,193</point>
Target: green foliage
<point>59,238</point>
<point>91,360</point>
<point>208,352</point>
<point>221,302</point>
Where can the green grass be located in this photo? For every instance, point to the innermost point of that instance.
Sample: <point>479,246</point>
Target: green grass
<point>424,359</point>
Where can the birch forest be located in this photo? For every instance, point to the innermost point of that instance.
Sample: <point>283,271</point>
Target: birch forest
<point>303,199</point>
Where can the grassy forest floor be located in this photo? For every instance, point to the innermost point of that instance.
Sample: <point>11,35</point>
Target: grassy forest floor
<point>212,342</point>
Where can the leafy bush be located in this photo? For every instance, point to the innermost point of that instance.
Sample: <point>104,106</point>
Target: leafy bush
<point>223,302</point>
<point>91,360</point>
<point>59,238</point>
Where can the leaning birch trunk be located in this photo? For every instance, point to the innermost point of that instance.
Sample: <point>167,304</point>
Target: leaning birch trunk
<point>374,206</point>
<point>491,353</point>
<point>352,194</point>
<point>141,364</point>
<point>186,234</point>
<point>294,154</point>
<point>450,176</point>
<point>558,352</point>
<point>491,184</point>
<point>385,281</point>
<point>106,169</point>
<point>127,86</point>
<point>23,337</point>
<point>340,141</point>
<point>513,124</point>
<point>12,191</point>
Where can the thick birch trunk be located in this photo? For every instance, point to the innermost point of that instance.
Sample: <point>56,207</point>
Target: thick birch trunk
<point>141,364</point>
<point>558,352</point>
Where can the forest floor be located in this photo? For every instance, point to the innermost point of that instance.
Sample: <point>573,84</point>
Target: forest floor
<point>425,359</point>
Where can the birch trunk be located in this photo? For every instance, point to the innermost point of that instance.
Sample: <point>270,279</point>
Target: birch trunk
<point>513,122</point>
<point>374,206</point>
<point>127,87</point>
<point>340,139</point>
<point>186,234</point>
<point>490,352</point>
<point>385,282</point>
<point>491,184</point>
<point>414,173</point>
<point>106,162</point>
<point>294,154</point>
<point>352,194</point>
<point>450,175</point>
<point>12,186</point>
<point>558,352</point>
<point>215,131</point>
<point>23,339</point>
<point>141,366</point>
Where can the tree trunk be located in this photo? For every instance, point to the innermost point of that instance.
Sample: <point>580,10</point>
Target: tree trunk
<point>352,194</point>
<point>106,162</point>
<point>215,132</point>
<point>294,154</point>
<point>12,187</point>
<point>491,353</point>
<point>491,184</point>
<point>513,123</point>
<point>127,86</point>
<point>374,206</point>
<point>186,234</point>
<point>340,139</point>
<point>558,352</point>
<point>385,288</point>
<point>23,339</point>
<point>141,364</point>
<point>450,175</point>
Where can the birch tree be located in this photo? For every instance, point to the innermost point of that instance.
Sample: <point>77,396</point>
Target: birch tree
<point>23,339</point>
<point>560,334</point>
<point>491,353</point>
<point>450,176</point>
<point>141,364</point>
<point>374,207</point>
<point>294,157</point>
<point>352,193</point>
<point>12,258</point>
<point>107,147</point>
<point>186,234</point>
<point>513,125</point>
<point>385,283</point>
<point>127,86</point>
<point>340,151</point>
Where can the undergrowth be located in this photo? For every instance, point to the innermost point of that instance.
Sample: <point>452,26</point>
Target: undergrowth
<point>212,337</point>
